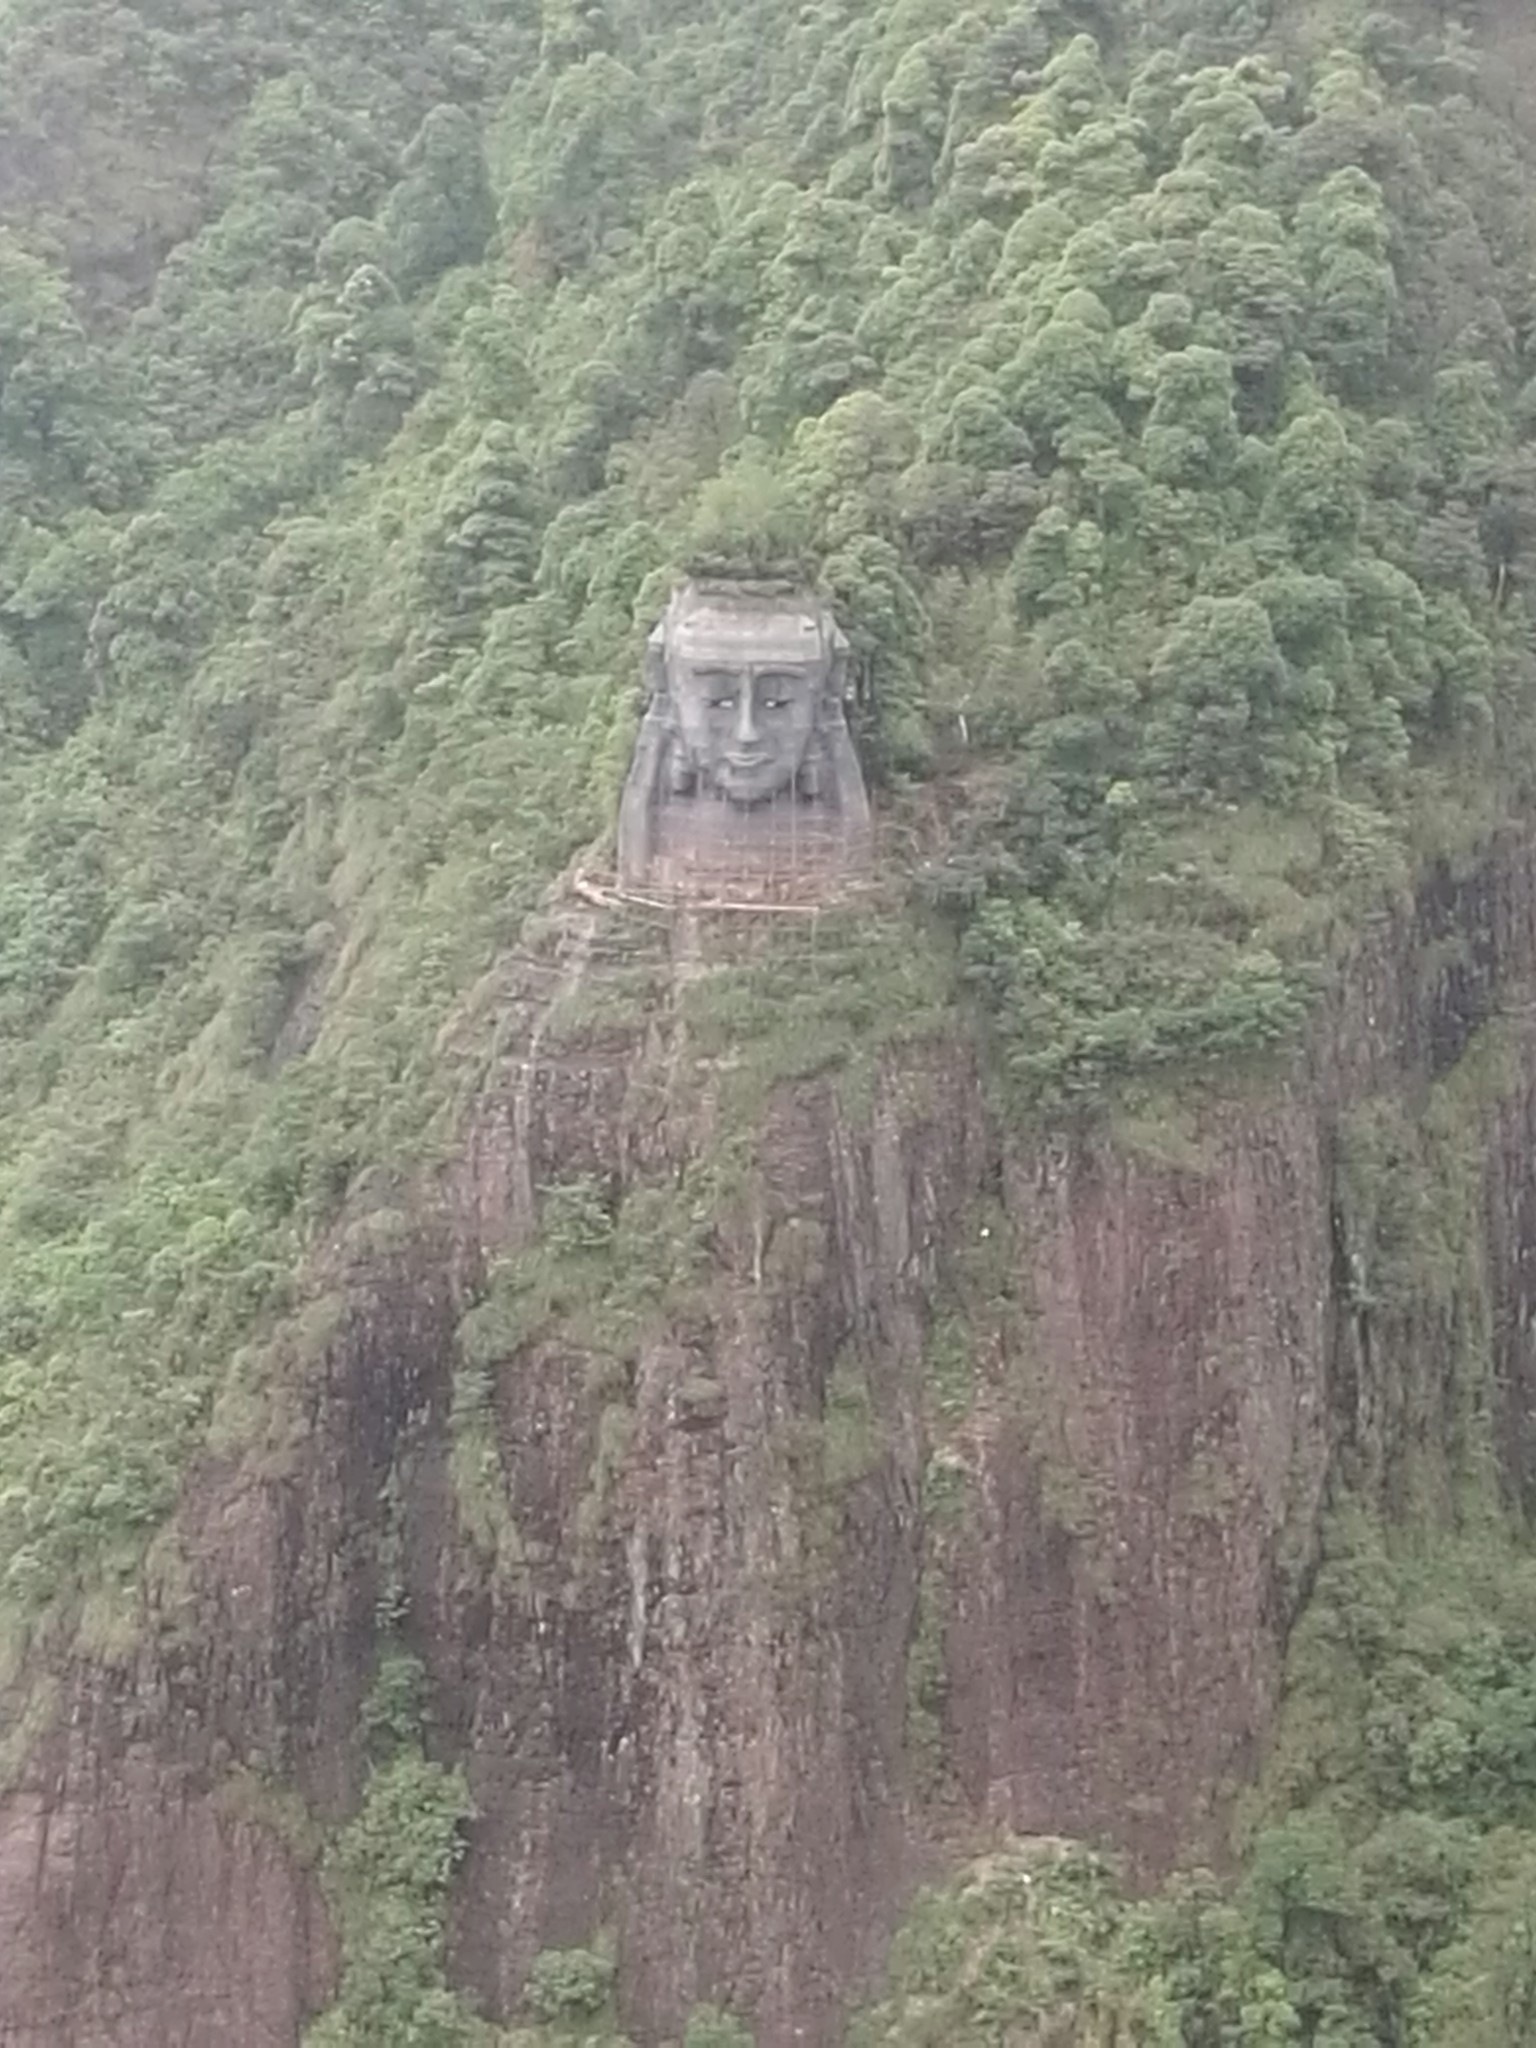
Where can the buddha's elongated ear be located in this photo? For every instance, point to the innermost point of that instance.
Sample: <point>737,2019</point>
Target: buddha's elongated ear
<point>655,667</point>
<point>682,776</point>
<point>840,676</point>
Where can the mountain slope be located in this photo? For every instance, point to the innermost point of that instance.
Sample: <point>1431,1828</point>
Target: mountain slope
<point>1150,390</point>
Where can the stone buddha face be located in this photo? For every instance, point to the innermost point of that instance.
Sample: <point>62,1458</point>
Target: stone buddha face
<point>746,684</point>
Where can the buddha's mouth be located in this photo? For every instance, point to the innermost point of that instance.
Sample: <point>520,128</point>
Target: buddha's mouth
<point>750,780</point>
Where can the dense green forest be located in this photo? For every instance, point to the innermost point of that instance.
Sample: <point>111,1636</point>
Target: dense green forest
<point>1151,385</point>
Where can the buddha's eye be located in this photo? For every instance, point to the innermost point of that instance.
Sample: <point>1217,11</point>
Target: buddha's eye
<point>723,702</point>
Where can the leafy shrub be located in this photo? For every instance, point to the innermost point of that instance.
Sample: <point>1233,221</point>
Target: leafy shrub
<point>387,1875</point>
<point>709,2027</point>
<point>566,1984</point>
<point>1081,1007</point>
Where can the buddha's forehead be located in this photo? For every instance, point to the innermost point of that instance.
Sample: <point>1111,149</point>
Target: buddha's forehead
<point>739,635</point>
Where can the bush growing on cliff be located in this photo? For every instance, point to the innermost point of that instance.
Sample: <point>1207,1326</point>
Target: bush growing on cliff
<point>709,2027</point>
<point>567,1986</point>
<point>1040,1943</point>
<point>387,1876</point>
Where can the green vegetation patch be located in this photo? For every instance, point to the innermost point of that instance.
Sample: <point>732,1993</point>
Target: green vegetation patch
<point>1038,1943</point>
<point>387,1875</point>
<point>831,996</point>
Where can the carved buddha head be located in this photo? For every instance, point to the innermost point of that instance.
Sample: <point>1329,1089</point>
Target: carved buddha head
<point>743,773</point>
<point>747,680</point>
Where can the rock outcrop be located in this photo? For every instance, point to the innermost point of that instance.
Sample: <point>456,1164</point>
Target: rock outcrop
<point>782,1598</point>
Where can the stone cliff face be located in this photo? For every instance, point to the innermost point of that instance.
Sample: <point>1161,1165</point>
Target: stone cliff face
<point>965,1481</point>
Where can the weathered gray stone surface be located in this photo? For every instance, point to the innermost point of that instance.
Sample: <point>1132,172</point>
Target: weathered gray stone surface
<point>744,778</point>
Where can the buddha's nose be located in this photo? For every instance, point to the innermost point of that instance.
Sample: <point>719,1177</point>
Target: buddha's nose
<point>746,716</point>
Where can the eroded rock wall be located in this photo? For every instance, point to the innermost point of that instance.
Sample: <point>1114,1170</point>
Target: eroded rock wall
<point>738,1671</point>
